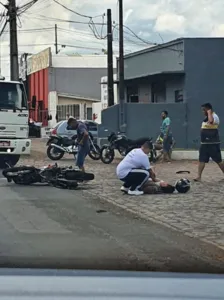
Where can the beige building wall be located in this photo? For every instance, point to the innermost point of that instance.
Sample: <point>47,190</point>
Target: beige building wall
<point>70,101</point>
<point>85,106</point>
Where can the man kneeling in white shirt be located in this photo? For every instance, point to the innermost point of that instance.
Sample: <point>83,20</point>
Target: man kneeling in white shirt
<point>134,170</point>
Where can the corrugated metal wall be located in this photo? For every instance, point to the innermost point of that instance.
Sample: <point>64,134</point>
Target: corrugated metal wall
<point>38,86</point>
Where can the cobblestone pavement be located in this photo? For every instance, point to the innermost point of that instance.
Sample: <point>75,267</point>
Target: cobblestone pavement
<point>199,213</point>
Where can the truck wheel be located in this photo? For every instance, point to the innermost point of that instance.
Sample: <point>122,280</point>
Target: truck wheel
<point>7,159</point>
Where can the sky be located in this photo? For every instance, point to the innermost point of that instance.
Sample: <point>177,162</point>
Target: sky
<point>146,22</point>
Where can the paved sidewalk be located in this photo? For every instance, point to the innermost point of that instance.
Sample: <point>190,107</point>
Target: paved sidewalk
<point>199,213</point>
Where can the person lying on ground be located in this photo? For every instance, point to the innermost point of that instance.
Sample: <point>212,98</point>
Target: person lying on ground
<point>134,170</point>
<point>161,187</point>
<point>157,187</point>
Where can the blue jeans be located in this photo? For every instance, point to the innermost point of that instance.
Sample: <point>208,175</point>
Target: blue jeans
<point>82,153</point>
<point>167,143</point>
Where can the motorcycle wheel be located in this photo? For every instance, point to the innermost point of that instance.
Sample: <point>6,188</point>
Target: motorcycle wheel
<point>108,157</point>
<point>57,155</point>
<point>129,150</point>
<point>64,183</point>
<point>153,156</point>
<point>122,151</point>
<point>78,176</point>
<point>95,155</point>
<point>7,160</point>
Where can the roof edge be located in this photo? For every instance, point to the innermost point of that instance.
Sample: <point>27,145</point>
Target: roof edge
<point>77,97</point>
<point>156,47</point>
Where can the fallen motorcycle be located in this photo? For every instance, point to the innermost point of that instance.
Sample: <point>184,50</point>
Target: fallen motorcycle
<point>64,177</point>
<point>123,145</point>
<point>58,146</point>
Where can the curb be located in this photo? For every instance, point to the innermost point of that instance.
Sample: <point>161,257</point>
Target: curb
<point>151,218</point>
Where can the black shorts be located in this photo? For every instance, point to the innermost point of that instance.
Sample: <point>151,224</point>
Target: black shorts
<point>208,151</point>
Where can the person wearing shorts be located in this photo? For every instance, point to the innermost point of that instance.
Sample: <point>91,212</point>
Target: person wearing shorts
<point>166,135</point>
<point>83,141</point>
<point>210,142</point>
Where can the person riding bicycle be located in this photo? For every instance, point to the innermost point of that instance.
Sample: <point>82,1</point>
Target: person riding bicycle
<point>82,139</point>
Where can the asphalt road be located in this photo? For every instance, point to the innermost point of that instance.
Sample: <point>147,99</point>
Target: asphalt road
<point>46,227</point>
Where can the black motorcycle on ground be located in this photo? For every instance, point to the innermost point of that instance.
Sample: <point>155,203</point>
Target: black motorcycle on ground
<point>62,177</point>
<point>58,146</point>
<point>123,145</point>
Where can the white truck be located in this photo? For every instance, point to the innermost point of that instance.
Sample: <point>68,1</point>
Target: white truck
<point>14,127</point>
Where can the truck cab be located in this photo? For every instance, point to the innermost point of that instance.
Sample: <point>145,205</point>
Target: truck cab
<point>14,128</point>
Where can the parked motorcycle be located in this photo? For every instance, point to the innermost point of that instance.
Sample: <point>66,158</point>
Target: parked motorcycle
<point>123,145</point>
<point>63,177</point>
<point>58,146</point>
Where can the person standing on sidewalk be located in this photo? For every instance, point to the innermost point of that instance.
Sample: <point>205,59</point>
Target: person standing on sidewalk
<point>210,142</point>
<point>166,136</point>
<point>83,141</point>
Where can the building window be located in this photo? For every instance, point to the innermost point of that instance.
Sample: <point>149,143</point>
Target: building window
<point>179,96</point>
<point>158,90</point>
<point>132,94</point>
<point>63,110</point>
<point>89,112</point>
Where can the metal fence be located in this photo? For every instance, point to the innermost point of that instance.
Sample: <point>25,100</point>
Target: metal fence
<point>72,110</point>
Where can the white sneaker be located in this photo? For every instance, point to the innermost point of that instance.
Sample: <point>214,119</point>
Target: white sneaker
<point>135,193</point>
<point>124,189</point>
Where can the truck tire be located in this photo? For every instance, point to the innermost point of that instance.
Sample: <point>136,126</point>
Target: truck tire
<point>8,159</point>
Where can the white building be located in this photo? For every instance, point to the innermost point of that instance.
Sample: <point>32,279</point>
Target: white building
<point>99,107</point>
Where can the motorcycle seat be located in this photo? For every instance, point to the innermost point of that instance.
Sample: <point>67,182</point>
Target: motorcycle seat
<point>139,141</point>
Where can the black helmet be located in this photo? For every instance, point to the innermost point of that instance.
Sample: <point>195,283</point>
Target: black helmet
<point>182,185</point>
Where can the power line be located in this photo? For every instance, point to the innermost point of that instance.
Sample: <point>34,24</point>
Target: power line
<point>3,28</point>
<point>42,17</point>
<point>91,24</point>
<point>32,30</point>
<point>75,12</point>
<point>83,33</point>
<point>11,15</point>
<point>25,7</point>
<point>144,41</point>
<point>63,45</point>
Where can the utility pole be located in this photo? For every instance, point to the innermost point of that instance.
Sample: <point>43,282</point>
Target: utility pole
<point>14,64</point>
<point>56,38</point>
<point>110,74</point>
<point>121,69</point>
<point>12,11</point>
